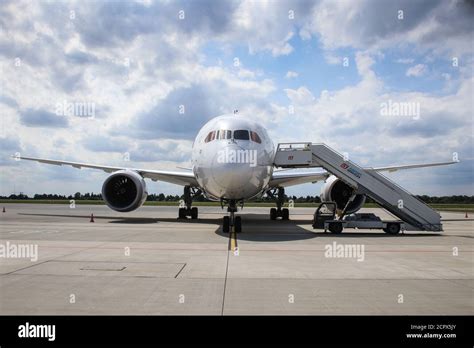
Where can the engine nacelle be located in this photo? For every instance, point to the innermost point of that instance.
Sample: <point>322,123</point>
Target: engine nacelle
<point>124,191</point>
<point>335,190</point>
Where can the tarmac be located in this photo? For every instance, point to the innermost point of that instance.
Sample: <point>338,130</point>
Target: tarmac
<point>149,262</point>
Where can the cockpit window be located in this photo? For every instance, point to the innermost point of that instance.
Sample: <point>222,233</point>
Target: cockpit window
<point>219,134</point>
<point>254,136</point>
<point>241,134</point>
<point>223,134</point>
<point>210,137</point>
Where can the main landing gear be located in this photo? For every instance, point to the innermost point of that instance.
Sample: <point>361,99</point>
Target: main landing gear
<point>279,194</point>
<point>232,220</point>
<point>189,194</point>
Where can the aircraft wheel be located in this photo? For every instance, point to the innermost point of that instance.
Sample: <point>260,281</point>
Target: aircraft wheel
<point>194,213</point>
<point>273,214</point>
<point>392,228</point>
<point>225,224</point>
<point>285,214</point>
<point>238,224</point>
<point>335,227</point>
<point>182,213</point>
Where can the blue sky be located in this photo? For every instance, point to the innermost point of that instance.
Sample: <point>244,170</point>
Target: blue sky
<point>315,71</point>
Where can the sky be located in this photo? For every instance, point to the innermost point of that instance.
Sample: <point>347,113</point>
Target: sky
<point>130,83</point>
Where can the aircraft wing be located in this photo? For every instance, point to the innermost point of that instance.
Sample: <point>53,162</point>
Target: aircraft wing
<point>174,177</point>
<point>283,178</point>
<point>411,166</point>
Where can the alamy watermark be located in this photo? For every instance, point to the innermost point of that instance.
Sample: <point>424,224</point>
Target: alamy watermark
<point>408,109</point>
<point>78,109</point>
<point>237,156</point>
<point>19,251</point>
<point>355,251</point>
<point>28,330</point>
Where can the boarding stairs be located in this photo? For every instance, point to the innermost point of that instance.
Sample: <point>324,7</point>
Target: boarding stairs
<point>416,214</point>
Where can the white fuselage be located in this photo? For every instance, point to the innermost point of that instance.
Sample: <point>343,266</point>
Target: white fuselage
<point>232,158</point>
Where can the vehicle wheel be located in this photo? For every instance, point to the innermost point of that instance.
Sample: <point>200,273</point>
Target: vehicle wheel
<point>225,224</point>
<point>285,214</point>
<point>392,228</point>
<point>194,213</point>
<point>182,213</point>
<point>273,214</point>
<point>238,224</point>
<point>335,227</point>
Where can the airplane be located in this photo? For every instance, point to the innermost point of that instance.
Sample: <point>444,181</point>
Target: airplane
<point>232,162</point>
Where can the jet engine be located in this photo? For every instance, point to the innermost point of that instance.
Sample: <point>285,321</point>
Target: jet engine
<point>124,191</point>
<point>335,190</point>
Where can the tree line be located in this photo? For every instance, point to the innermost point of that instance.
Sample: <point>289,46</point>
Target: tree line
<point>160,197</point>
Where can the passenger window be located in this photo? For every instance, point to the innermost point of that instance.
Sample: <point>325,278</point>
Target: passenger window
<point>254,136</point>
<point>241,134</point>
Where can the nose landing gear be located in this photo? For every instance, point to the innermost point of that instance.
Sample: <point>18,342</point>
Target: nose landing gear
<point>232,220</point>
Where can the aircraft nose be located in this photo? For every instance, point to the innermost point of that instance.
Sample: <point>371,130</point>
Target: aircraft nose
<point>233,170</point>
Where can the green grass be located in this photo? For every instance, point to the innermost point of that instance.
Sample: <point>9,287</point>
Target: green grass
<point>454,207</point>
<point>148,203</point>
<point>441,207</point>
<point>49,201</point>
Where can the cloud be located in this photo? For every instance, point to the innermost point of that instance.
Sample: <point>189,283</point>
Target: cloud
<point>184,110</point>
<point>416,70</point>
<point>291,74</point>
<point>138,62</point>
<point>405,60</point>
<point>167,150</point>
<point>332,59</point>
<point>300,96</point>
<point>378,24</point>
<point>267,25</point>
<point>102,143</point>
<point>8,101</point>
<point>9,144</point>
<point>126,21</point>
<point>42,118</point>
<point>179,115</point>
<point>8,147</point>
<point>79,57</point>
<point>350,120</point>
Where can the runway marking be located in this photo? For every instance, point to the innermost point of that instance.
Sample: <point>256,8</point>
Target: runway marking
<point>232,240</point>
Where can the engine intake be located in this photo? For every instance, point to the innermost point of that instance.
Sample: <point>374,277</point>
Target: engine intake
<point>335,190</point>
<point>124,191</point>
